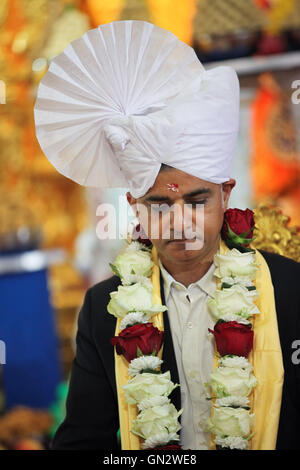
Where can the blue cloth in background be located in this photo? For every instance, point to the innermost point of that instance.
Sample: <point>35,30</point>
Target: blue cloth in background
<point>32,370</point>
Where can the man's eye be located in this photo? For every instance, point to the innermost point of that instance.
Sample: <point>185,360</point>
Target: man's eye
<point>163,208</point>
<point>194,203</point>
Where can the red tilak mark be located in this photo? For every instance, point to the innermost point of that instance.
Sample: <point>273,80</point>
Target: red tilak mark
<point>173,187</point>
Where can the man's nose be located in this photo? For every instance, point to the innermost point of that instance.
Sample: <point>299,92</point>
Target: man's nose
<point>182,219</point>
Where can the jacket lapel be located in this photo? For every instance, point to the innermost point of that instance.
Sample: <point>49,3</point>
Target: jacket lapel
<point>168,354</point>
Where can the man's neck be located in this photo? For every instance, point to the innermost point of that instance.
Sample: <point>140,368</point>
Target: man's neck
<point>189,272</point>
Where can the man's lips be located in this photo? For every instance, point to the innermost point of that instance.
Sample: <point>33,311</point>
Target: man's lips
<point>179,240</point>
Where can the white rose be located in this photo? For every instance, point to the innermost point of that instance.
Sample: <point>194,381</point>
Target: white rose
<point>232,381</point>
<point>232,442</point>
<point>156,420</point>
<point>139,364</point>
<point>157,400</point>
<point>136,297</point>
<point>147,385</point>
<point>230,422</point>
<point>235,300</point>
<point>134,245</point>
<point>161,439</point>
<point>134,278</point>
<point>235,263</point>
<point>134,318</point>
<point>134,262</point>
<point>231,317</point>
<point>235,361</point>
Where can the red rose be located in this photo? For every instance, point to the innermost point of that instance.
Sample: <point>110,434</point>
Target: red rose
<point>233,338</point>
<point>144,336</point>
<point>140,235</point>
<point>170,447</point>
<point>239,221</point>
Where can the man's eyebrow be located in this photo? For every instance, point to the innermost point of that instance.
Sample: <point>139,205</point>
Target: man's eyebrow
<point>196,192</point>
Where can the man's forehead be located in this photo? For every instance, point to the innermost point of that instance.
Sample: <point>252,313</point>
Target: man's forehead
<point>164,194</point>
<point>172,184</point>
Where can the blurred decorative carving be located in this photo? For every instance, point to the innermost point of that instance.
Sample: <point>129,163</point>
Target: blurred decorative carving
<point>273,233</point>
<point>23,428</point>
<point>220,17</point>
<point>275,163</point>
<point>104,12</point>
<point>71,25</point>
<point>135,10</point>
<point>225,29</point>
<point>3,11</point>
<point>67,289</point>
<point>35,199</point>
<point>18,226</point>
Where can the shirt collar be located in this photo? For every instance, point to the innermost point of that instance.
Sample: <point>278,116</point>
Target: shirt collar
<point>207,282</point>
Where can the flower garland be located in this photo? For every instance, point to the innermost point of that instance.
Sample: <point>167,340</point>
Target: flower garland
<point>140,342</point>
<point>233,306</point>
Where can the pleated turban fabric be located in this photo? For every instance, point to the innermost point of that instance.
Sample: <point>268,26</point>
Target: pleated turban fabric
<point>128,96</point>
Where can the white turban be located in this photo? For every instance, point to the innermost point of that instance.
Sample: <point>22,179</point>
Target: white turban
<point>129,96</point>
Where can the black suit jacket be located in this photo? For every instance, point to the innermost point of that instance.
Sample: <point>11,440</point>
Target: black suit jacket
<point>92,421</point>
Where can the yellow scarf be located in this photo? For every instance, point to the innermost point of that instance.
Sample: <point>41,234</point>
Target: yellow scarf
<point>266,358</point>
<point>127,413</point>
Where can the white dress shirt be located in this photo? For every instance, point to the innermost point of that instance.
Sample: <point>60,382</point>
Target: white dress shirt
<point>194,349</point>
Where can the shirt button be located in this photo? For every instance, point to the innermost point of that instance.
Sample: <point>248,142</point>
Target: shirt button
<point>202,425</point>
<point>189,324</point>
<point>204,444</point>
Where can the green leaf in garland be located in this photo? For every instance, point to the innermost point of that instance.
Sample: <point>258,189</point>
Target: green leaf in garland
<point>225,285</point>
<point>244,234</point>
<point>114,270</point>
<point>132,324</point>
<point>237,406</point>
<point>139,352</point>
<point>241,248</point>
<point>150,371</point>
<point>239,239</point>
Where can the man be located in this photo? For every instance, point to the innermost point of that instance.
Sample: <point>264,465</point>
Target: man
<point>165,128</point>
<point>92,410</point>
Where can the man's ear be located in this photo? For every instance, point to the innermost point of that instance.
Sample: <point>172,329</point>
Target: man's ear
<point>132,201</point>
<point>227,188</point>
